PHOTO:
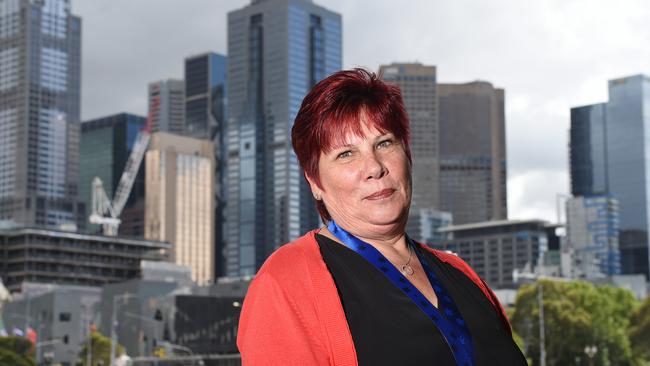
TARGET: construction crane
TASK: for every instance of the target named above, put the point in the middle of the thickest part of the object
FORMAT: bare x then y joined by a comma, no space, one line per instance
107,213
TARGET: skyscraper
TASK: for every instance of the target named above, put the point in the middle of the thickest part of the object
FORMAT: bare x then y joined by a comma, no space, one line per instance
169,114
179,182
418,84
205,118
587,150
472,152
205,90
610,154
105,147
39,112
277,50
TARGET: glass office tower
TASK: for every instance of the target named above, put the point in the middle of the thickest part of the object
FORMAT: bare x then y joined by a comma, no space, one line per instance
105,147
610,154
40,48
277,50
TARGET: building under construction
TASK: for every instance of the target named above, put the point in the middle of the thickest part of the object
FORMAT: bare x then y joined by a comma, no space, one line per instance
52,256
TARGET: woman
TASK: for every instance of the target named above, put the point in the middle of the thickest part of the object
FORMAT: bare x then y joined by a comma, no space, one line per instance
359,291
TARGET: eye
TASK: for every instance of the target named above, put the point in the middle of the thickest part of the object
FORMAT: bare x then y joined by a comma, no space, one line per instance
344,154
385,144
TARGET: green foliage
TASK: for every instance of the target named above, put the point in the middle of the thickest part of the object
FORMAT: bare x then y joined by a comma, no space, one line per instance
640,329
576,314
16,351
100,349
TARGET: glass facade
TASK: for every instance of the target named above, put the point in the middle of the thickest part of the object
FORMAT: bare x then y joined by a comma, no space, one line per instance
610,154
277,51
39,113
587,150
105,147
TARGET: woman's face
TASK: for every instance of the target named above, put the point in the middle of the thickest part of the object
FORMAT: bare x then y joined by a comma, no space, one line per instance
366,183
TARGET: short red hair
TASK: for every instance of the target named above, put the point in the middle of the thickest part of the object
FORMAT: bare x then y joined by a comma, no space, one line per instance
333,109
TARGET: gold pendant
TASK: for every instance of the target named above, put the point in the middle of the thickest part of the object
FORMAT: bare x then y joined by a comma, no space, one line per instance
407,270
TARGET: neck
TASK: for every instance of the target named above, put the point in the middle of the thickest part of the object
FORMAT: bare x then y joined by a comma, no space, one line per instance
395,240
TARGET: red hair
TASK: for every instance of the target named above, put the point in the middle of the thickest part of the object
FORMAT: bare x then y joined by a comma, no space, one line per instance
333,109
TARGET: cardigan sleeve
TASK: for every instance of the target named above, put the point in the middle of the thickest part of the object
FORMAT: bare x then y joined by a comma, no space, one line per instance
274,328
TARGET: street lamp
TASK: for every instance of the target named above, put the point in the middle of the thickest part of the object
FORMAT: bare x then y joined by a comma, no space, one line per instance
113,321
152,322
591,351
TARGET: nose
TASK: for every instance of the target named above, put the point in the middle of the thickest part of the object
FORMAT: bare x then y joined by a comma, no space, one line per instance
374,167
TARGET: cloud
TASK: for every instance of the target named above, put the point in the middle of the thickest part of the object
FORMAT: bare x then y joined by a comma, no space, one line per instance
534,194
548,56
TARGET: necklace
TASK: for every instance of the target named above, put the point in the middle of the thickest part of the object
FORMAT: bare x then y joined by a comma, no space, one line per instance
406,269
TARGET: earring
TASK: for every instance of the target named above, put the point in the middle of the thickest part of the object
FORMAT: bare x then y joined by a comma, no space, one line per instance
317,196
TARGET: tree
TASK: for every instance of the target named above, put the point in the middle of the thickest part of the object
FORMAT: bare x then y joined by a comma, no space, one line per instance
17,351
576,314
100,349
640,329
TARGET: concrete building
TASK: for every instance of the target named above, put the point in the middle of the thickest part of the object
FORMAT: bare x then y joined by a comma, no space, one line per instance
472,152
592,236
60,315
135,307
105,147
277,49
180,200
495,249
40,70
51,256
610,155
169,114
418,84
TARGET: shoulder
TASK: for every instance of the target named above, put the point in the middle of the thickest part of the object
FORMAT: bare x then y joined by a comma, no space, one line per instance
288,258
461,265
453,260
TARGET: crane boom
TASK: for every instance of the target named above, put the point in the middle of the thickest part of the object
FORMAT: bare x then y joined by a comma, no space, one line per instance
102,205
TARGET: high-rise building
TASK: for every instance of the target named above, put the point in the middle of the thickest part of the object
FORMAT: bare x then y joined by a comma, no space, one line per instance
592,236
179,184
205,118
418,85
610,154
40,64
168,115
587,150
277,49
472,152
105,147
205,91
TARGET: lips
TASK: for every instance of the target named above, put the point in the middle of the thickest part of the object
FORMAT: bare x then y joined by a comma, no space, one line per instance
384,193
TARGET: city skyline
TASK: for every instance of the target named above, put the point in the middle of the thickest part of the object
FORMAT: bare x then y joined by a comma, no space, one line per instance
547,56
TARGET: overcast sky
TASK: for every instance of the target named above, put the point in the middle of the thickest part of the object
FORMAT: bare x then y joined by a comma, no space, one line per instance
548,55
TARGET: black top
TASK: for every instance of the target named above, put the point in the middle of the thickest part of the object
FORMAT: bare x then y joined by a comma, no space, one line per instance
389,329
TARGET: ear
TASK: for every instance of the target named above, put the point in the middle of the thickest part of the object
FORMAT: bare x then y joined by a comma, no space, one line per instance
315,190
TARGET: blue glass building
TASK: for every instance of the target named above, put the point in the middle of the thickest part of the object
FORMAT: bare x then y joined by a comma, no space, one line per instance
40,72
277,49
610,154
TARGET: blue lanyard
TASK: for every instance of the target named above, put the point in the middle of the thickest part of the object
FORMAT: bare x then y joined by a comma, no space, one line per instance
447,318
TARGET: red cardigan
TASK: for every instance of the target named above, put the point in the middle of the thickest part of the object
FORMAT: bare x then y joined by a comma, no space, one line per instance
292,313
